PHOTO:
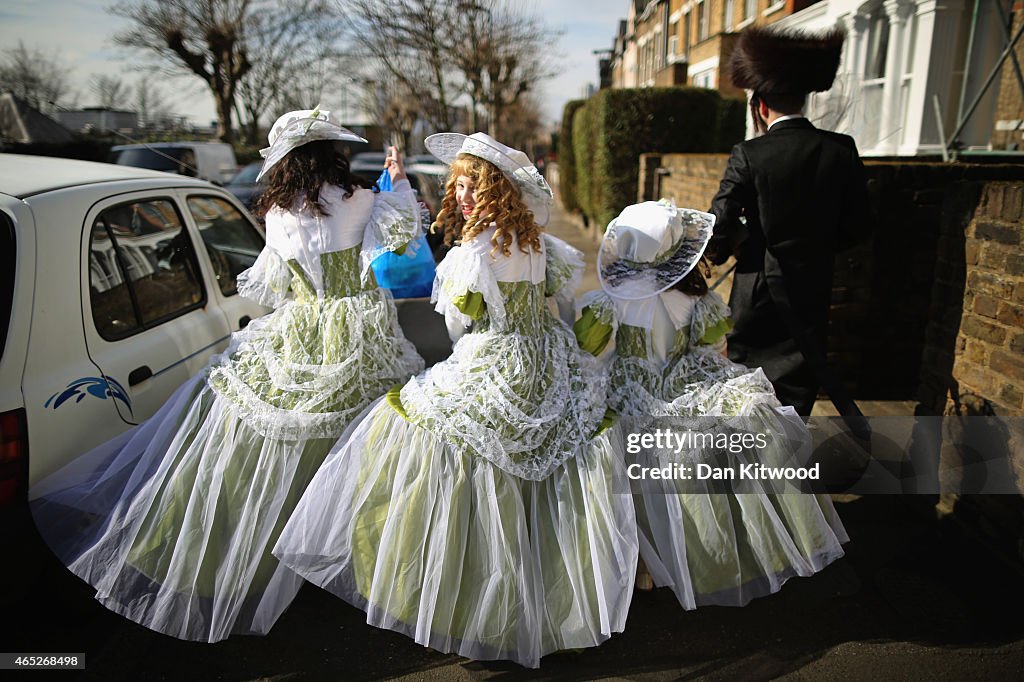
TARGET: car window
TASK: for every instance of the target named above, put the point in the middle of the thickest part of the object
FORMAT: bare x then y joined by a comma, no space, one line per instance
142,268
247,176
8,267
168,159
231,241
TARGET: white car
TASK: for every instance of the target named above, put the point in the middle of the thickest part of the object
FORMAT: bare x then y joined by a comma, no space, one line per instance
116,285
213,161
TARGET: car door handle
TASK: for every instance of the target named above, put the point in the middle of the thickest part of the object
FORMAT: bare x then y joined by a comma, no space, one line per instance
139,374
244,321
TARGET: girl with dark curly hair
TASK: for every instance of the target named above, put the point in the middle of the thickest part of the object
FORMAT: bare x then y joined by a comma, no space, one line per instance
173,522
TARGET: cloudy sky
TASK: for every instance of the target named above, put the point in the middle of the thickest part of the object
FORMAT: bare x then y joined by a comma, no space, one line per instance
79,33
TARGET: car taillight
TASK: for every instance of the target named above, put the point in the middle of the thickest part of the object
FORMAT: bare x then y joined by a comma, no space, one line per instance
13,457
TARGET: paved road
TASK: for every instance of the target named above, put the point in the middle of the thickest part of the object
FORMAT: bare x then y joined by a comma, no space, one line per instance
915,598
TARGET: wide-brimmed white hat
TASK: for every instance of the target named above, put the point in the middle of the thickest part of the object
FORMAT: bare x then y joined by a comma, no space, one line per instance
516,166
650,247
297,128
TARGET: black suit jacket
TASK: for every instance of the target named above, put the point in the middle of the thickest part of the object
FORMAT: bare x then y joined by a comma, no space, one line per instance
802,194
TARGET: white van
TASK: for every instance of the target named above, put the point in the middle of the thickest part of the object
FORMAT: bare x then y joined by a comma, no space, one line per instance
116,285
213,161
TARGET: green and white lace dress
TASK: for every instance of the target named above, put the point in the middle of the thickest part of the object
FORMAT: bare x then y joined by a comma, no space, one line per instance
173,523
709,543
472,508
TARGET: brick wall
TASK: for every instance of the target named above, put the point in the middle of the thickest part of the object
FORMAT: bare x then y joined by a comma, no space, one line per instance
1010,105
689,179
990,359
909,302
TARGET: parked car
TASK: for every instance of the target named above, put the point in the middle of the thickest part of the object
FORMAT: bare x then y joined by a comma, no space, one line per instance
431,180
116,285
213,161
426,160
244,185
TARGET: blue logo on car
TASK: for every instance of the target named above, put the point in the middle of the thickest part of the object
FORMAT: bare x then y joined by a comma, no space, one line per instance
99,387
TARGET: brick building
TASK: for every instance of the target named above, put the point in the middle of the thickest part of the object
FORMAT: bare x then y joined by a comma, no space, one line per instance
910,72
684,42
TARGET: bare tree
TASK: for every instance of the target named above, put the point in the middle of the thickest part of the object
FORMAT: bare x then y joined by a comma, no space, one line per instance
202,37
35,76
437,54
410,40
150,102
111,92
521,123
391,103
292,51
506,55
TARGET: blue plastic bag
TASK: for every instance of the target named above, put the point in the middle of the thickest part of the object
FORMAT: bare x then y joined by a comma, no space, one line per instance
410,275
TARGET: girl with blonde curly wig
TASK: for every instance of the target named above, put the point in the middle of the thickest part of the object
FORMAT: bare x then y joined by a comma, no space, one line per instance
471,508
501,205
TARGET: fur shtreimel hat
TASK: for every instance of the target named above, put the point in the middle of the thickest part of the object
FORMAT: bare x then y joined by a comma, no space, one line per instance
786,62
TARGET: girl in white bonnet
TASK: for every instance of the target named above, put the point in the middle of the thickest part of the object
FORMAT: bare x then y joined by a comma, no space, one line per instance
473,508
709,541
173,522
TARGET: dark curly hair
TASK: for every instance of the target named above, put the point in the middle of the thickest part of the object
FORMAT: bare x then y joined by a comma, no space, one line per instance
695,283
302,173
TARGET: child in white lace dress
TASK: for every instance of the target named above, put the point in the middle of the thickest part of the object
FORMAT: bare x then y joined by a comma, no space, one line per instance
173,522
712,542
472,508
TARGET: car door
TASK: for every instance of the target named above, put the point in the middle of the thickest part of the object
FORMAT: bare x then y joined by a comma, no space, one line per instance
150,319
231,242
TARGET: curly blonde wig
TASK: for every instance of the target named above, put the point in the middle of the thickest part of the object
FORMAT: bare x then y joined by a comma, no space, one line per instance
497,200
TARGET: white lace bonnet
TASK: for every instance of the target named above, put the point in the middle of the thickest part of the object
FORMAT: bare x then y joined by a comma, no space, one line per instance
513,163
297,128
650,247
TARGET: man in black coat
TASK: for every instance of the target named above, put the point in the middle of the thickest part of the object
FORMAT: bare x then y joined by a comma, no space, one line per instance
788,200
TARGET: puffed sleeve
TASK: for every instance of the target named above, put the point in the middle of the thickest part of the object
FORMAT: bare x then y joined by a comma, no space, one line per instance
563,268
268,281
596,325
394,222
465,286
710,322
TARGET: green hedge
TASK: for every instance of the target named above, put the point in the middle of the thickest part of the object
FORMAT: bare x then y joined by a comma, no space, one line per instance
567,158
732,122
583,148
615,126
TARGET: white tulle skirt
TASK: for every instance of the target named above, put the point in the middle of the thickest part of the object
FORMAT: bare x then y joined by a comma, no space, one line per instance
459,554
725,542
172,523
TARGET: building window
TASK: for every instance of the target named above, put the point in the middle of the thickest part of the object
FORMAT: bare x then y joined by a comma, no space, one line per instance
878,45
686,36
666,35
729,14
705,79
749,8
703,21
